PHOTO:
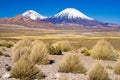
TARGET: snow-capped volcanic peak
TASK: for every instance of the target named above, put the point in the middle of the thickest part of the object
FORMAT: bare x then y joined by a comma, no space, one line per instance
33,15
72,13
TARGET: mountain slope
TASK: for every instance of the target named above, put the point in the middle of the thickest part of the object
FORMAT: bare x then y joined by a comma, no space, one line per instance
26,21
69,18
71,13
33,15
73,16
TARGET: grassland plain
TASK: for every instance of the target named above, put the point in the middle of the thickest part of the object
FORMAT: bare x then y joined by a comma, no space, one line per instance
80,38
77,39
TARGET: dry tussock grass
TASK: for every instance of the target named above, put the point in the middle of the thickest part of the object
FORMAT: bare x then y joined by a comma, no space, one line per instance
39,54
23,43
24,69
71,63
98,72
20,52
63,46
103,50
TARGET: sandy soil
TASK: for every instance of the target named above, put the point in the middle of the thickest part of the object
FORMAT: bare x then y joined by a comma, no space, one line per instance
51,70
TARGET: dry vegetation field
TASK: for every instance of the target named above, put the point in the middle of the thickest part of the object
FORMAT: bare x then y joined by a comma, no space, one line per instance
29,54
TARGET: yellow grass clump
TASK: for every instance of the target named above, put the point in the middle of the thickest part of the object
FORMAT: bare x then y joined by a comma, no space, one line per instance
63,46
20,52
36,42
24,69
53,51
98,72
22,43
84,51
71,63
103,50
39,54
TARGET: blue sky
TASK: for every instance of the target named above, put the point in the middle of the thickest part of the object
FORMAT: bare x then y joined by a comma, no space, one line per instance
102,10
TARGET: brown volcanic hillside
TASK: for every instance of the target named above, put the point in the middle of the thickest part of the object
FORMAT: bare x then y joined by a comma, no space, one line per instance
21,20
27,22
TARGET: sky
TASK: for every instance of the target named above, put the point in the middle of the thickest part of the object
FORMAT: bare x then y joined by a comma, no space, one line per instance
101,10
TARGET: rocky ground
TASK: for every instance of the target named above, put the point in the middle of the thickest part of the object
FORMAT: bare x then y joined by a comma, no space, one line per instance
51,70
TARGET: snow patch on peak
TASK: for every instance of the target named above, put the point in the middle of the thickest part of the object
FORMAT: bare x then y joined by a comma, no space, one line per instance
72,13
33,15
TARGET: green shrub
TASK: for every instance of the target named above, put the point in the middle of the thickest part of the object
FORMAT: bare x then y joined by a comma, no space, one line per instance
39,54
117,67
3,42
16,54
84,51
7,44
103,50
71,63
24,69
54,51
98,72
64,46
87,53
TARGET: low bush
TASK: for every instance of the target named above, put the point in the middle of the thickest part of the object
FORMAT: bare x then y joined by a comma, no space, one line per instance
7,44
87,53
64,46
10,44
103,50
71,63
54,51
24,69
39,54
84,51
98,72
3,42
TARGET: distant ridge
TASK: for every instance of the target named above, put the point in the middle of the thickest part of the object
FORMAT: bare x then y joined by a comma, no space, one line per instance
33,15
73,16
69,18
71,13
